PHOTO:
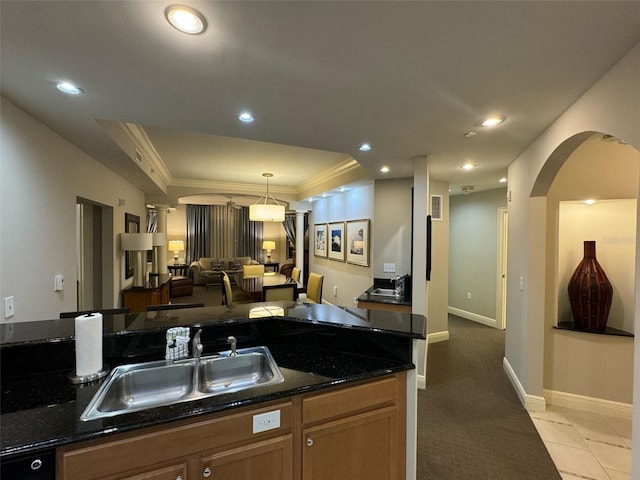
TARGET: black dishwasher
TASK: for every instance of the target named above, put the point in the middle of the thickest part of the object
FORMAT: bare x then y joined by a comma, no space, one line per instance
32,466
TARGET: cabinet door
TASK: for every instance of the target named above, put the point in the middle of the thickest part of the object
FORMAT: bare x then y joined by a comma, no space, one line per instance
363,447
173,472
268,460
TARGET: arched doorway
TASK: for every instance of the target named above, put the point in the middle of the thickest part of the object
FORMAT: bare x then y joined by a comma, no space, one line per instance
585,371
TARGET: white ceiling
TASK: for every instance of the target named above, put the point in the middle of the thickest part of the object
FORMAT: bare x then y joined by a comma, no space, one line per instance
320,77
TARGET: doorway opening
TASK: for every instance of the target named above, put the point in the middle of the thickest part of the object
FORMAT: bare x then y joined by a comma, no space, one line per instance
94,256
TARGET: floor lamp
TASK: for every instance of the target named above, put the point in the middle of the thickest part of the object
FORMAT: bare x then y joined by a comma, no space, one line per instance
137,243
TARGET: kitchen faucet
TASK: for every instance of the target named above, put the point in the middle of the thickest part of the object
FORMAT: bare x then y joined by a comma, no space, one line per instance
233,341
196,345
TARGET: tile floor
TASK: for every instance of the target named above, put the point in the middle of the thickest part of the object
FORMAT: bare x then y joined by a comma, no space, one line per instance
586,446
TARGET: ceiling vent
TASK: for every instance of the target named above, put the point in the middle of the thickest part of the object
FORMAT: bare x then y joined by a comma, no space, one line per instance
467,189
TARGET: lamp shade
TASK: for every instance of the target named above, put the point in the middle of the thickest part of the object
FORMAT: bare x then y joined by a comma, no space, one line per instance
266,212
176,245
159,239
268,245
136,241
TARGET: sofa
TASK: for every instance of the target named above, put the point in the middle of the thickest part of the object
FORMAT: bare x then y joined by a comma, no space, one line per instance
209,265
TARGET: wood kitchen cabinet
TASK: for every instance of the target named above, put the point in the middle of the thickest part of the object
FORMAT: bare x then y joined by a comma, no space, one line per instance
268,460
172,472
354,433
156,292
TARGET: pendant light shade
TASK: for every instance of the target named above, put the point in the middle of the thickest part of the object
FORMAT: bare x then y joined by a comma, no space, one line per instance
262,211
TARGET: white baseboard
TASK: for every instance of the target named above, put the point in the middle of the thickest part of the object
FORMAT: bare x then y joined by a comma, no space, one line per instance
533,403
438,337
588,404
491,322
422,381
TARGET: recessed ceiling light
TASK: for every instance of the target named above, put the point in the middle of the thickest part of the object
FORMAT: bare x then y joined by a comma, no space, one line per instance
503,180
365,147
470,134
385,169
69,88
590,201
492,121
186,19
468,166
246,117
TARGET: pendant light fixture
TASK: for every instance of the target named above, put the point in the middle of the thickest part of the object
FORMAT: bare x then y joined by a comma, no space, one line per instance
262,211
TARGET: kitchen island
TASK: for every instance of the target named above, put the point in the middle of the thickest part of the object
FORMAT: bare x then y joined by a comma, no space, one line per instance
319,349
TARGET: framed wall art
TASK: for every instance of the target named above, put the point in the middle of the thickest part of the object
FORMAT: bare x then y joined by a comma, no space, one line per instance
336,241
320,240
357,238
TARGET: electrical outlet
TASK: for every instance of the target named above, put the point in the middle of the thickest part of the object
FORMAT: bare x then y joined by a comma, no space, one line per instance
522,284
335,291
266,421
58,283
389,268
468,295
9,307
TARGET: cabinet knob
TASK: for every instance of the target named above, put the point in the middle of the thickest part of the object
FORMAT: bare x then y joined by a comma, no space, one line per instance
36,464
206,473
309,442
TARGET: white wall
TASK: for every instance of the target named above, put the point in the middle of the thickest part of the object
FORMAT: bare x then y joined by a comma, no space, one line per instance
438,286
42,175
351,280
473,253
609,106
392,235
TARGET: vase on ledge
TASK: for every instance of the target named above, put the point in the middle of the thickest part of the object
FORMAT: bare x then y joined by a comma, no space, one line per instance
590,292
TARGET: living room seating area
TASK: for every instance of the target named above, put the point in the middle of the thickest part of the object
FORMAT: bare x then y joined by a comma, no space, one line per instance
209,266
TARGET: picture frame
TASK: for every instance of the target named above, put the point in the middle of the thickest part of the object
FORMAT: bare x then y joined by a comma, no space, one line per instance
320,240
357,242
335,241
131,225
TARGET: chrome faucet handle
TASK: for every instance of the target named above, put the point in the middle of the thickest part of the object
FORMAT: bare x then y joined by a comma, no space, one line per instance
233,341
197,346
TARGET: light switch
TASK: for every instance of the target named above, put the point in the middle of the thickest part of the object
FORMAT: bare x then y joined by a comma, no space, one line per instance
58,283
389,268
9,307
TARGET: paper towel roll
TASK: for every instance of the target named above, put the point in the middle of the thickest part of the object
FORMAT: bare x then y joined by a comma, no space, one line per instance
88,344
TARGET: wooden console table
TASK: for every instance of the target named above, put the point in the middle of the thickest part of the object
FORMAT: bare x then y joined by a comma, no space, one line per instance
155,292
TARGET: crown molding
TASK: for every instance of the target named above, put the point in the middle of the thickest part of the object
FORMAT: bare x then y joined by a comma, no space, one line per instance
233,187
141,141
343,173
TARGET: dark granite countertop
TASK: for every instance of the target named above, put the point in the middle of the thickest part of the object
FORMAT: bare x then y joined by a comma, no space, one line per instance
316,347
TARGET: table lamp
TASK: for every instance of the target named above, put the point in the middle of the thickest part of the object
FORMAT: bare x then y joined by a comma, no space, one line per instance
137,243
268,245
176,246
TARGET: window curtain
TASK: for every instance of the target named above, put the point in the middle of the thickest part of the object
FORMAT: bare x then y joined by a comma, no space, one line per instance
289,225
198,232
249,235
152,221
233,234
223,232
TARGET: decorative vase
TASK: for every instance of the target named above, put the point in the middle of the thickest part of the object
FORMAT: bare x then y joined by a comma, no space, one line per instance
590,292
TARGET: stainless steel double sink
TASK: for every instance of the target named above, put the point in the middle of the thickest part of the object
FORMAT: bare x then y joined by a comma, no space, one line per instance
136,387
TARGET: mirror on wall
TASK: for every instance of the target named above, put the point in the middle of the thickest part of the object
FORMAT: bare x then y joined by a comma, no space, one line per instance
131,225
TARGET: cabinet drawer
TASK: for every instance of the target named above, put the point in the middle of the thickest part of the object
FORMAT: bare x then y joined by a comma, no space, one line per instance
155,447
347,401
173,472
